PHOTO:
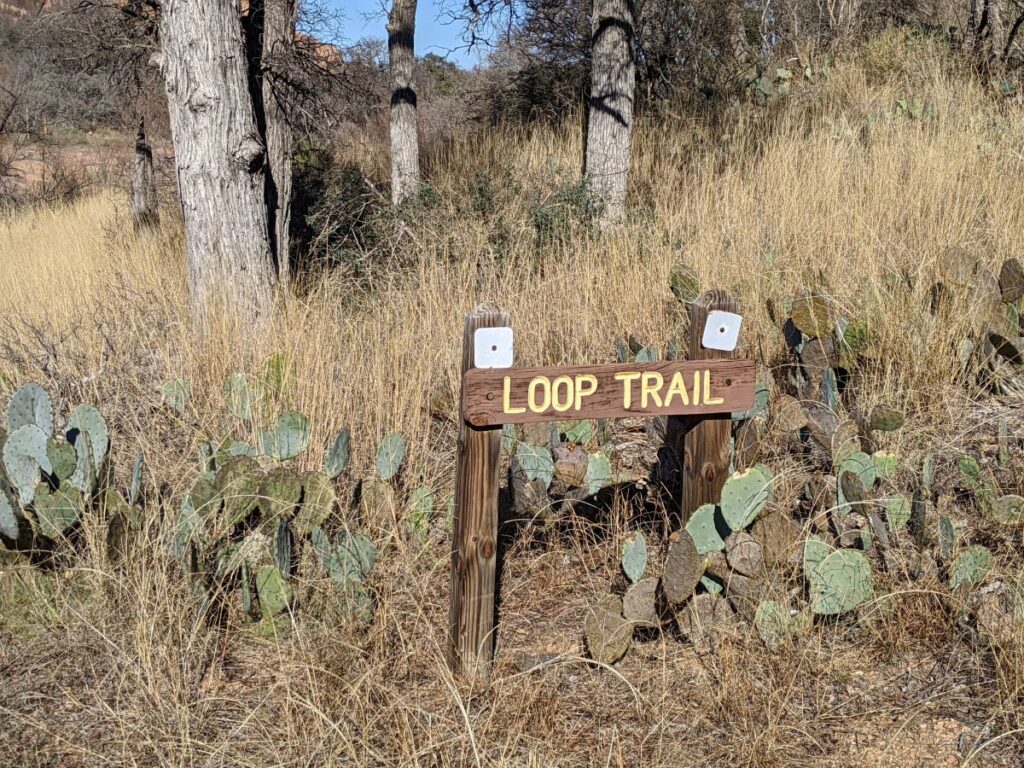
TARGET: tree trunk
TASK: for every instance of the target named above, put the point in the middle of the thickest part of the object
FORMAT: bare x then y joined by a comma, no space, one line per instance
219,159
145,206
610,121
270,40
405,152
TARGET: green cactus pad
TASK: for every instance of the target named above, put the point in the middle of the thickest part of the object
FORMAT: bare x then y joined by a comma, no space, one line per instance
56,511
238,482
885,464
1011,281
710,585
88,420
204,497
1008,510
744,495
971,568
897,512
634,556
288,438
840,582
338,453
283,547
815,550
276,378
647,355
62,457
862,468
318,501
970,471
599,472
175,394
354,558
236,393
30,404
761,396
24,455
704,531
772,622
577,432
84,477
391,454
10,515
947,537
274,592
685,283
279,493
421,510
536,463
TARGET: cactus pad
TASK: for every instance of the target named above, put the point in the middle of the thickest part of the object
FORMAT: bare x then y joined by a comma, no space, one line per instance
599,472
744,495
288,438
634,556
30,405
56,511
577,432
772,622
10,515
274,592
279,493
337,456
236,393
24,455
947,537
885,463
136,486
62,457
970,470
318,502
175,394
789,414
971,567
685,283
812,316
683,568
743,554
1011,281
391,454
640,603
840,582
86,419
535,463
238,482
703,529
885,418
608,633
897,512
1008,510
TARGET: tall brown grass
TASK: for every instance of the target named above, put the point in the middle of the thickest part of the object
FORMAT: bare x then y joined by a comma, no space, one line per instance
833,189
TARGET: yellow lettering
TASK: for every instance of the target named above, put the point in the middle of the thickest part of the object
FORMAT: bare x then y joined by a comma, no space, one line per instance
708,399
507,397
586,378
696,387
627,380
545,383
651,384
561,405
677,388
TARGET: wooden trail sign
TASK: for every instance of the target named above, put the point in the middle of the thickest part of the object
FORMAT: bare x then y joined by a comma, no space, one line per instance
493,397
698,396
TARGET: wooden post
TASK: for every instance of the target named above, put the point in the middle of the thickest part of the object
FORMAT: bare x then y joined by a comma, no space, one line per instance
702,443
474,557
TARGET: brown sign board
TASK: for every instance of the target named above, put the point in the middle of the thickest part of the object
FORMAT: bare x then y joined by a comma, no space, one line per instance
495,396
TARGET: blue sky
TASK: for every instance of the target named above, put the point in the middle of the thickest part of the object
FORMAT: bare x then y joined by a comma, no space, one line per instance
432,35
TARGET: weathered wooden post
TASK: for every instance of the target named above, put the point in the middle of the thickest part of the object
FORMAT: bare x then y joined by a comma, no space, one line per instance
474,556
702,442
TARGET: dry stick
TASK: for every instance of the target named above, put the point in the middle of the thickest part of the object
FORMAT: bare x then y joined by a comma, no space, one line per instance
702,442
474,552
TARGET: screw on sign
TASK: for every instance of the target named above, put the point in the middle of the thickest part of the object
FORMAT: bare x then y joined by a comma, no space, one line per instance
697,395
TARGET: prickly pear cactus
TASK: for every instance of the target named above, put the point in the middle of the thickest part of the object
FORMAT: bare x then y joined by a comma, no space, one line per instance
885,418
885,464
24,457
599,472
971,567
1008,510
840,582
608,633
744,495
30,404
86,419
685,283
176,394
772,622
236,394
703,529
536,463
288,438
634,556
421,510
337,456
391,454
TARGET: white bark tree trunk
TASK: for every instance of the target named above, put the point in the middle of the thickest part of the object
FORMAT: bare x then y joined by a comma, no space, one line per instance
405,152
219,158
145,205
610,120
271,40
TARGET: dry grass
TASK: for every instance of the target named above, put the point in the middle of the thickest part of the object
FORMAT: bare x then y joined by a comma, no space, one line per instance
833,190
